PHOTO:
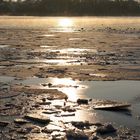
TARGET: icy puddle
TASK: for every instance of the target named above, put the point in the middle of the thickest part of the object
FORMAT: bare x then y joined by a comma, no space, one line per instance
110,90
125,91
120,91
67,85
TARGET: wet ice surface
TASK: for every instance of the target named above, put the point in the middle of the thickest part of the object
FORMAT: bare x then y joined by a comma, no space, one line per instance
80,40
121,91
48,35
81,48
46,46
50,62
73,56
53,56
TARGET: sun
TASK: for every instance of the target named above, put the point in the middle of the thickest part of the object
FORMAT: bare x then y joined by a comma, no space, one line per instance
65,22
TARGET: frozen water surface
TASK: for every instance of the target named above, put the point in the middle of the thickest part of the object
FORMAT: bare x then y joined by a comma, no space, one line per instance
123,91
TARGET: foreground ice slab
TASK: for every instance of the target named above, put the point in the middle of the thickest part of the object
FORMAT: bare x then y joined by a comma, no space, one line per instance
110,105
38,118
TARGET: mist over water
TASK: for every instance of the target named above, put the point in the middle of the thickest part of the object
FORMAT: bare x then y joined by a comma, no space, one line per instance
23,22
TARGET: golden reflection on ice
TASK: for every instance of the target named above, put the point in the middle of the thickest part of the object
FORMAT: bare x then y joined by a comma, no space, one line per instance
71,88
71,93
65,22
65,25
62,81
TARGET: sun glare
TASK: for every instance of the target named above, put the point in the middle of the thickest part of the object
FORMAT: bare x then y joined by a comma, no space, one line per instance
69,88
65,22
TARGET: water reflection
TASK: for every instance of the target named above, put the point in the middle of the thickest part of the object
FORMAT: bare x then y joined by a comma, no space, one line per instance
69,87
118,90
65,25
71,93
72,88
62,61
65,22
62,81
48,35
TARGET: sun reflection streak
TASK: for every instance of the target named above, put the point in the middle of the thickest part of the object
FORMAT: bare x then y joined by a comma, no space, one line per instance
71,93
65,22
62,81
65,25
71,88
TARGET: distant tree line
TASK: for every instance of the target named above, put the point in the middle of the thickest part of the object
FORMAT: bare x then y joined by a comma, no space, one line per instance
70,7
